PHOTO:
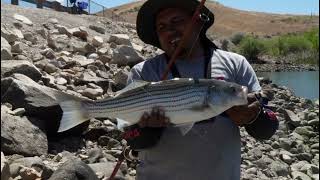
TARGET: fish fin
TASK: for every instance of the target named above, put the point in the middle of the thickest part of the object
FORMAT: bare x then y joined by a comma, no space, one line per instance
185,128
132,87
73,114
121,124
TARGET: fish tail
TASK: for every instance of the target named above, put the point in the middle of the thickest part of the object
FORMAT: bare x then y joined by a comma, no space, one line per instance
73,115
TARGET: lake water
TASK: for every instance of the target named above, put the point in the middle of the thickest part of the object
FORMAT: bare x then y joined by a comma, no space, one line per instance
303,84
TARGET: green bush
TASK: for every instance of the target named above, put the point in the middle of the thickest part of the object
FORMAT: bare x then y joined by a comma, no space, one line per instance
237,38
293,44
251,48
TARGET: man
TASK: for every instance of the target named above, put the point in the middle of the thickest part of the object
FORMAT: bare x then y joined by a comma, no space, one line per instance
211,149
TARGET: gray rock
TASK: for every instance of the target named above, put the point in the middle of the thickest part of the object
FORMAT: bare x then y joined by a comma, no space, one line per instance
15,166
50,68
19,66
90,77
97,41
312,115
23,19
61,81
94,155
17,24
314,122
53,21
8,34
300,176
18,47
125,55
29,173
5,49
103,51
63,30
285,143
80,32
30,37
98,29
120,39
39,101
298,165
106,169
120,78
292,118
92,93
105,58
59,42
305,131
20,136
5,169
18,112
281,169
74,169
18,33
43,32
82,60
93,56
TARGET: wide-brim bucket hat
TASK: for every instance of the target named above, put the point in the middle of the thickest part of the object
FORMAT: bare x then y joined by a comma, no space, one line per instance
146,18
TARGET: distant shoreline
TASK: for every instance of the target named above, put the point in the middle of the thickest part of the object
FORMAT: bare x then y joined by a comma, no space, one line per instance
283,67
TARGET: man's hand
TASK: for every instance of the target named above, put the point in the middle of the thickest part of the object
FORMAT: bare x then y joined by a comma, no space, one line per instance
242,115
156,118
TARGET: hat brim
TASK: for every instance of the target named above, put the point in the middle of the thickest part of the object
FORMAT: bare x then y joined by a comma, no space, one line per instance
145,23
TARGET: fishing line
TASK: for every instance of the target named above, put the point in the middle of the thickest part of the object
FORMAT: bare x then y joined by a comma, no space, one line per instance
201,17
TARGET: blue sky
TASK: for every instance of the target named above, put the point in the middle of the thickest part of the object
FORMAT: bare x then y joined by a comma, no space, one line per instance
272,6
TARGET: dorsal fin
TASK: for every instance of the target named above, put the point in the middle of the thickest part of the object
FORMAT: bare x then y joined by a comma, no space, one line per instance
135,85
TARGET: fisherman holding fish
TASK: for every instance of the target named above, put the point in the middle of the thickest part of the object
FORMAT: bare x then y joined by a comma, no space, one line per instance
181,110
211,149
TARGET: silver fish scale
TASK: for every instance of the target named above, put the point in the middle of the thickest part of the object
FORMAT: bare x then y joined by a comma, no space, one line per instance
174,98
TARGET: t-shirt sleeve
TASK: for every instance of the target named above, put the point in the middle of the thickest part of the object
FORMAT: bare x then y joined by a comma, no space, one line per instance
134,75
246,76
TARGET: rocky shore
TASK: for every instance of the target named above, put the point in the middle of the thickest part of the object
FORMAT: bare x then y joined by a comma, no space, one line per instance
90,56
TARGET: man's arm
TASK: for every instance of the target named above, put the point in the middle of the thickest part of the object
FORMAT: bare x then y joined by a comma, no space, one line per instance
253,115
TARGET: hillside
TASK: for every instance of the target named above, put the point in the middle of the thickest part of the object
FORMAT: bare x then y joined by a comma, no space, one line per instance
229,21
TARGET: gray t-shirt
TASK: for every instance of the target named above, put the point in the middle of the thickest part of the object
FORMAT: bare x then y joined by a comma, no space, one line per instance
211,149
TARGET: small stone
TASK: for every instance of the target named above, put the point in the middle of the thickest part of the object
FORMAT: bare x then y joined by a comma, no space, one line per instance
18,111
97,41
92,93
23,19
61,81
50,68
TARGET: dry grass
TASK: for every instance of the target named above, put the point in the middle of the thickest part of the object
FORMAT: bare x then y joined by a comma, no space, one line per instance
229,21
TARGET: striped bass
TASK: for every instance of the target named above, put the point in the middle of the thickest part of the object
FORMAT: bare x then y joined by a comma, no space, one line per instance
185,101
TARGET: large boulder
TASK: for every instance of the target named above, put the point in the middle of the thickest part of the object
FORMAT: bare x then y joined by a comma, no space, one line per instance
20,136
19,66
38,101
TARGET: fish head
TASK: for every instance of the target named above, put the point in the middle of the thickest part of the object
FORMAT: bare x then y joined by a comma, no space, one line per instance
228,94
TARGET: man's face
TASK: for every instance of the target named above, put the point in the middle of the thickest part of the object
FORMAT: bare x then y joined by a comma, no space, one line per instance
170,26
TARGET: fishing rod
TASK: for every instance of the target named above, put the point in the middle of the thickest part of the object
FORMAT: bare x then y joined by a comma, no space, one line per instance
181,44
